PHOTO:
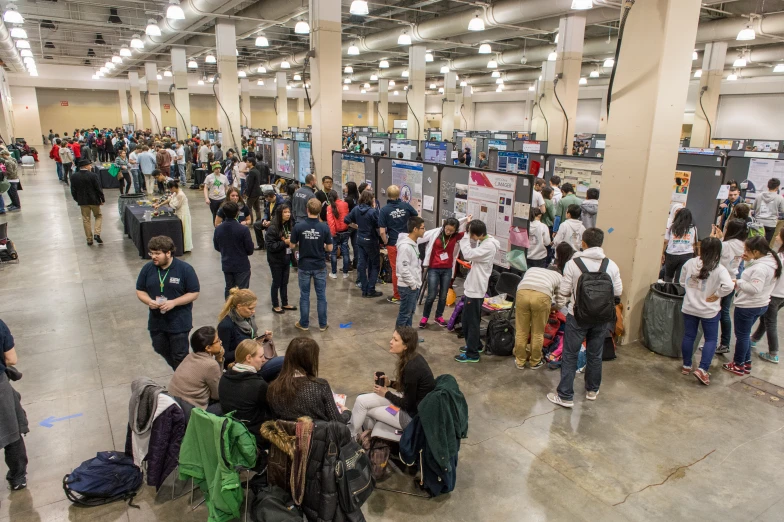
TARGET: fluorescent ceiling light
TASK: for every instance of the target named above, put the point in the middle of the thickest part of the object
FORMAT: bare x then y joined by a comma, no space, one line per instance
242,74
193,65
492,64
210,59
116,58
739,62
553,56
200,82
594,74
444,69
22,44
441,90
297,77
261,69
391,83
499,81
432,85
12,16
353,50
18,32
694,56
476,24
405,73
746,34
779,68
124,51
463,84
531,88
167,74
347,80
496,74
261,41
345,87
285,64
136,42
152,28
363,91
698,73
395,93
260,82
174,12
26,52
373,77
732,77
348,69
609,62
485,49
403,39
359,7
302,27
583,81
383,64
366,86
582,4
428,56
158,77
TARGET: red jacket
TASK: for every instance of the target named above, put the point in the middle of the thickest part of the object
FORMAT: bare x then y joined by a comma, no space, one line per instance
337,225
77,150
55,154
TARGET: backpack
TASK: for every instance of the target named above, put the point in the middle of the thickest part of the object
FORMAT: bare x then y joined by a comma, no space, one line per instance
108,477
273,504
385,271
353,475
755,229
457,315
595,297
500,336
378,451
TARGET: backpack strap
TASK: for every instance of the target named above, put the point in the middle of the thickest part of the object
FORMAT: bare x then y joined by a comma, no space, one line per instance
605,264
580,265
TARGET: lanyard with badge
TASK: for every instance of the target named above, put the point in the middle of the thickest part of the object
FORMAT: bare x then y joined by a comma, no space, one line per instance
161,298
286,234
445,254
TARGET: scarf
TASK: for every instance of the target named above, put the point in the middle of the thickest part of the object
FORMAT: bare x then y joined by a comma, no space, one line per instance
240,367
246,326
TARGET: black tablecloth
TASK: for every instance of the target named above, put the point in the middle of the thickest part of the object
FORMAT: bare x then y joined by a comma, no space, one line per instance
199,175
141,231
107,180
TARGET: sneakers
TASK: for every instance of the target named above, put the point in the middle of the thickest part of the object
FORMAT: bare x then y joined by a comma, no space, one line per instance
769,357
702,376
591,395
359,285
13,208
464,349
734,368
89,243
519,366
17,487
440,322
392,299
324,329
537,365
463,358
747,368
686,370
374,294
556,399
345,275
754,343
300,327
98,240
423,322
722,348
333,276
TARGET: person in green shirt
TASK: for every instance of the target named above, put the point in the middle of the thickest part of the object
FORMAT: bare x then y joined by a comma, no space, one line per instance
549,214
569,198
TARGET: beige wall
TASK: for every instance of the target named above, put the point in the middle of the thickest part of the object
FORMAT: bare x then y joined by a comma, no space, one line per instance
85,108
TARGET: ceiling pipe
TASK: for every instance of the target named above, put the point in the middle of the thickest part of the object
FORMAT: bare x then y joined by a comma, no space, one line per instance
8,52
757,55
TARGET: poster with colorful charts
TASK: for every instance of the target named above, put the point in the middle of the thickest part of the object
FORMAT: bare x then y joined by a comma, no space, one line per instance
283,158
491,199
435,151
513,162
496,144
408,176
581,174
352,168
407,147
304,160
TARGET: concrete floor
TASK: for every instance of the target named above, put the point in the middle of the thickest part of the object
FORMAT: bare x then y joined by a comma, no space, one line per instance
655,445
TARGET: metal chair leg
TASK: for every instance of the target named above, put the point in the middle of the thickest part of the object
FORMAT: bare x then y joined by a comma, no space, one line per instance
247,493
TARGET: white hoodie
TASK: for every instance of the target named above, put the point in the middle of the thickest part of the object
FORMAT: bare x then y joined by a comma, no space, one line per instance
570,231
698,290
539,239
409,271
481,257
756,283
592,258
732,255
430,238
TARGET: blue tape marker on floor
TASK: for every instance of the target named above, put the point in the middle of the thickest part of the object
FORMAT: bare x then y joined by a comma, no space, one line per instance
610,230
346,325
48,422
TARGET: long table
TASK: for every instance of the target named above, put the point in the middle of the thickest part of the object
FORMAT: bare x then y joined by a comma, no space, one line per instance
107,180
141,231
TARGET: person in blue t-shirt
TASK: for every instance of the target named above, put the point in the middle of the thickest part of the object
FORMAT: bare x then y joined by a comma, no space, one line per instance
314,240
168,287
392,221
13,422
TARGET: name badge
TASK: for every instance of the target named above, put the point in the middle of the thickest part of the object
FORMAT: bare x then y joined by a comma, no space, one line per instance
288,251
444,256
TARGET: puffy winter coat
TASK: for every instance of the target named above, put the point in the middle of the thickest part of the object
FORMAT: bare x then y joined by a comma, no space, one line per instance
168,429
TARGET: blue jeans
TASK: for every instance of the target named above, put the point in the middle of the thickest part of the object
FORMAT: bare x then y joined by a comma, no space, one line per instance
438,280
340,241
181,169
368,264
744,320
271,369
726,320
59,170
408,302
710,327
242,185
320,283
136,181
574,334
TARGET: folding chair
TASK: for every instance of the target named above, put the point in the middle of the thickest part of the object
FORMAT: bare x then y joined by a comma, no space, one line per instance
28,162
507,284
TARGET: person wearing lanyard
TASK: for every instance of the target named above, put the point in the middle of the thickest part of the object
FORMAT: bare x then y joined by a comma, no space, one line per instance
168,287
237,323
409,270
215,189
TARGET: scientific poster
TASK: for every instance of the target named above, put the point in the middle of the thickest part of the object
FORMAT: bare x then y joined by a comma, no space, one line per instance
581,174
304,160
513,162
435,151
408,176
491,199
377,146
470,143
496,144
283,158
721,144
760,171
407,147
352,168
461,200
766,146
680,189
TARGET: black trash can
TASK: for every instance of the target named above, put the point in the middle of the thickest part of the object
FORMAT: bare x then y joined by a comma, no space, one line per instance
124,200
662,321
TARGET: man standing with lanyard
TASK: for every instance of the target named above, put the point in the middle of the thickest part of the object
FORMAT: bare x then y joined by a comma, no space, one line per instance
392,221
168,287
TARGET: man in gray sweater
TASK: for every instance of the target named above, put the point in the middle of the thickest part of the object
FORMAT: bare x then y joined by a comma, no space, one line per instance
768,206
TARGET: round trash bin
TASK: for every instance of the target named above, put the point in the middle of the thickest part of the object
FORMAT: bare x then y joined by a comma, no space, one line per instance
124,200
662,321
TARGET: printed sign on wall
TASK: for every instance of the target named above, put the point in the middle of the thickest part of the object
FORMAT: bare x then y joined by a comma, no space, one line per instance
64,104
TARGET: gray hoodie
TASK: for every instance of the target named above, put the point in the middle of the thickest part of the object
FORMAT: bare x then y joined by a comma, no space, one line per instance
767,207
409,269
590,208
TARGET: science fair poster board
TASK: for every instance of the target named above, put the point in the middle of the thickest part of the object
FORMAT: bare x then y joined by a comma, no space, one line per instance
680,188
436,151
760,171
304,160
470,143
283,163
496,144
580,173
516,162
408,176
491,198
407,147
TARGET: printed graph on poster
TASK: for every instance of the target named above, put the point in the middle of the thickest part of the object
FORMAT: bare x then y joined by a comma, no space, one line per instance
680,189
581,174
283,157
760,171
490,198
352,168
408,176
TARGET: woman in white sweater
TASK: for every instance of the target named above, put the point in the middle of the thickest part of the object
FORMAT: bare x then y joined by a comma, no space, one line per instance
539,240
706,281
752,295
732,248
768,323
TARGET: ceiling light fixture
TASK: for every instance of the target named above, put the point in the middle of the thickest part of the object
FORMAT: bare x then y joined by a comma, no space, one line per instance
492,64
285,64
288,87
347,80
136,42
383,64
694,56
174,11
124,51
210,59
373,77
211,79
200,82
158,77
739,62
429,56
608,63
432,85
500,81
260,82
26,52
583,81
12,16
746,34
242,74
366,86
193,65
779,68
496,74
531,88
580,5
500,88
732,77
22,44
395,93
28,59
104,70
261,41
261,69
297,78
391,83
476,24
553,56
345,87
594,74
302,27
167,74
109,65
698,73
444,69
404,39
18,32
348,69
359,7
441,90
485,49
405,74
152,28
463,84
116,58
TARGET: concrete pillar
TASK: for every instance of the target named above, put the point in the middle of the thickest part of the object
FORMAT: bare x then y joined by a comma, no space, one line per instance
383,106
417,75
123,99
327,110
458,119
648,100
7,107
228,87
153,99
448,116
281,101
371,114
467,113
245,102
710,82
301,112
562,78
181,98
136,101
603,114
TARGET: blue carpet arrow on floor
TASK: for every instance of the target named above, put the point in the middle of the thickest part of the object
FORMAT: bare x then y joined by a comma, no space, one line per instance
346,325
48,422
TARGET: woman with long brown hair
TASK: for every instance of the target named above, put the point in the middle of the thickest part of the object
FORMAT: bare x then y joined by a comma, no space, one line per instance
413,380
243,216
298,391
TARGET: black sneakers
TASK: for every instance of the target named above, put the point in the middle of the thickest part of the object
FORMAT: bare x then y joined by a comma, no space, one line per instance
98,239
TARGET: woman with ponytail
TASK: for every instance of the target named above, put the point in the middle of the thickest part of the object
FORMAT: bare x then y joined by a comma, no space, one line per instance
768,323
752,296
732,247
681,238
706,281
336,212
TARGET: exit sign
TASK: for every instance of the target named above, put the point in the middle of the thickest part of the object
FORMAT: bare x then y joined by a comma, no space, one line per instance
63,104
166,106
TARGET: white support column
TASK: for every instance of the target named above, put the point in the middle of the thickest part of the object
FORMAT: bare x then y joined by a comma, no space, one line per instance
7,106
383,105
458,118
371,114
153,99
301,112
467,114
182,101
416,92
245,102
228,87
710,88
281,101
448,116
136,101
122,94
603,114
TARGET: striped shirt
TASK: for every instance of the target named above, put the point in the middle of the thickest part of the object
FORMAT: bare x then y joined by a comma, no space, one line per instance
541,280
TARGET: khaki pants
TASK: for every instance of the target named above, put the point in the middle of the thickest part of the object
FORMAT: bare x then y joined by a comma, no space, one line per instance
149,184
532,310
96,212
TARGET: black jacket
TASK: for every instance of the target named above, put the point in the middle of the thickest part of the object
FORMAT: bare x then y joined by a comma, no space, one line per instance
246,394
417,382
266,174
276,248
253,183
85,188
231,336
232,239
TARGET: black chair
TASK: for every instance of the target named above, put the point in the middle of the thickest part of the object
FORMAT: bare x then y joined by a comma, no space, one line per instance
507,284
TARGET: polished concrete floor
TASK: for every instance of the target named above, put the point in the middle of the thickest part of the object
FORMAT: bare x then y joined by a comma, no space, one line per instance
655,445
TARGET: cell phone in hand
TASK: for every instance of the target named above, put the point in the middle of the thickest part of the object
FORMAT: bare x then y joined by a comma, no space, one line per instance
380,378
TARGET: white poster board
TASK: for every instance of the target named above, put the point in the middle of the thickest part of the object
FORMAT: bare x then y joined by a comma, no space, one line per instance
491,199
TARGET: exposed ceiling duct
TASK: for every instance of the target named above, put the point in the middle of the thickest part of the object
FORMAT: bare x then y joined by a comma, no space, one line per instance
8,52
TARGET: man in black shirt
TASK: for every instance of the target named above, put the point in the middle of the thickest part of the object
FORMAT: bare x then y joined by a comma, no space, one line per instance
322,196
168,287
313,239
299,202
266,173
13,422
232,239
86,191
253,188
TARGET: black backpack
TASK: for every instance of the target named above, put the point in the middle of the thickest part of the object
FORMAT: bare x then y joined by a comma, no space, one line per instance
595,297
353,472
500,336
108,477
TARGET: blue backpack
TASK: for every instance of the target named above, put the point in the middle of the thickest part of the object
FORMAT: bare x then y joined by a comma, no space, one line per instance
108,477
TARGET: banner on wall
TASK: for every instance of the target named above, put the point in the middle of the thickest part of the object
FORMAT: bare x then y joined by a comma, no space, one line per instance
490,198
680,189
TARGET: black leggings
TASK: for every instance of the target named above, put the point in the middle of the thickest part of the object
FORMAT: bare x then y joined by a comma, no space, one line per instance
673,264
125,179
280,283
214,206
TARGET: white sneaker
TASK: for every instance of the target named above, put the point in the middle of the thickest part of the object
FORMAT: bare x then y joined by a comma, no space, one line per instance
591,395
333,276
345,275
556,399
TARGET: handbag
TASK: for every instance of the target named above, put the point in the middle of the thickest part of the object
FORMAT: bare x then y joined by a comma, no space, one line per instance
519,237
4,186
268,347
114,169
353,473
